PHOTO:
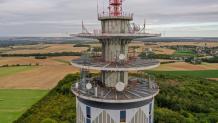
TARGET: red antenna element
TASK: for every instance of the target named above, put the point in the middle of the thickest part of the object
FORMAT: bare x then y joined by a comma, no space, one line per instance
115,7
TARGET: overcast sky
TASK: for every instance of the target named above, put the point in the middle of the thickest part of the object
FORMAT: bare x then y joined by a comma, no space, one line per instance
195,18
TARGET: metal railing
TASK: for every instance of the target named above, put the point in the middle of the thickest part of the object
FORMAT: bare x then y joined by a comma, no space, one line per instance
123,15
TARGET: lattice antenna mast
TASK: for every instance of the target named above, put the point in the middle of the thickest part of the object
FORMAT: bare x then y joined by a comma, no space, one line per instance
84,29
144,26
97,7
115,7
143,30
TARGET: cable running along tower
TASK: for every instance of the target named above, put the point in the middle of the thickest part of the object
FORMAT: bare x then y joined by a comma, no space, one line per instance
115,96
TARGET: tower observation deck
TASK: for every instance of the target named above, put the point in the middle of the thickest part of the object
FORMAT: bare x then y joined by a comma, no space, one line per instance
114,96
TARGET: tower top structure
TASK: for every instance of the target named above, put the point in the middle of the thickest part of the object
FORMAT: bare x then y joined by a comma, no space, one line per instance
115,7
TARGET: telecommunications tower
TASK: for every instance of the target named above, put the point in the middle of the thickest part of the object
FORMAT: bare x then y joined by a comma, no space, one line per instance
115,96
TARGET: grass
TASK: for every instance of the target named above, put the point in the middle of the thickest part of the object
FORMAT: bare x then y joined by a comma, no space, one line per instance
199,73
59,104
13,103
184,53
7,71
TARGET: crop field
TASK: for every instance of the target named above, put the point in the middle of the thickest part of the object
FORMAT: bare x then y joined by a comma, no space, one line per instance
13,103
184,53
164,51
42,48
7,71
14,98
209,44
31,60
182,66
44,76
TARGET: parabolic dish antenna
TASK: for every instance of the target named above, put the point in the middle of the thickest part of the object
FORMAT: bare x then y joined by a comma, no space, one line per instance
122,57
88,86
120,86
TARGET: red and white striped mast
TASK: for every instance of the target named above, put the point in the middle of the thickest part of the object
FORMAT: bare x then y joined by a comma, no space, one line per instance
115,7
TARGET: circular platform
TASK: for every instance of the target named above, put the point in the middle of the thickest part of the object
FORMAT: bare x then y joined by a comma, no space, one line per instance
135,92
132,65
127,36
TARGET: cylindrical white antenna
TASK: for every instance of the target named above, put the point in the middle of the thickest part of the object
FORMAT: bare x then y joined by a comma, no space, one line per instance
96,91
77,85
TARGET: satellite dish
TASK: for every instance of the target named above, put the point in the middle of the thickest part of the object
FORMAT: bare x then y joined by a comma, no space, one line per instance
122,57
88,86
120,86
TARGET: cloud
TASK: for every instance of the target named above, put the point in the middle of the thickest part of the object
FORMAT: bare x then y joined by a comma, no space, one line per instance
32,17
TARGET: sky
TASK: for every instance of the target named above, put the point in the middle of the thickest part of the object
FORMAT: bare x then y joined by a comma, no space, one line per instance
172,18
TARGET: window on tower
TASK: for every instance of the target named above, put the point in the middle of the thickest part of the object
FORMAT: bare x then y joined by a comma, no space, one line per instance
88,112
88,120
122,116
150,108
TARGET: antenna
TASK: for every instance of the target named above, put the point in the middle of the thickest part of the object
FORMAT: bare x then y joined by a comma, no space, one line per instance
122,57
120,86
144,26
77,85
88,86
143,30
97,7
84,29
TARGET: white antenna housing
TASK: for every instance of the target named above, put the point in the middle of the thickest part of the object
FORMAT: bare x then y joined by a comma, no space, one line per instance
77,85
88,86
120,86
122,57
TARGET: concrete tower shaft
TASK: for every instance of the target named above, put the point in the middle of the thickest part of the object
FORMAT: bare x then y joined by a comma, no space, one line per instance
112,48
110,79
113,25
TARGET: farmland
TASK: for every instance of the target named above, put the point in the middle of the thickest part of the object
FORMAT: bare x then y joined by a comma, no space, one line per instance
5,71
13,103
25,80
42,75
182,66
42,48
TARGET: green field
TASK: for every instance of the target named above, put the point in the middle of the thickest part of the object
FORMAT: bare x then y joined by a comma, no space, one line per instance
7,71
13,103
184,53
199,73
